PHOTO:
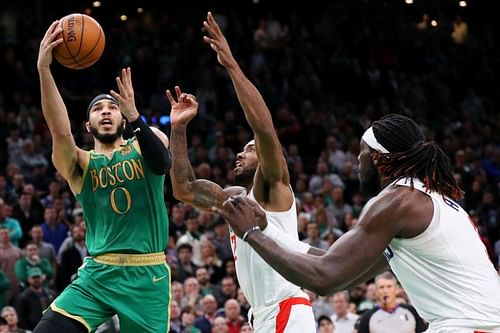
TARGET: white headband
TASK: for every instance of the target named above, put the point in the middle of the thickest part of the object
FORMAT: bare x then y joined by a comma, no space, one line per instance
371,141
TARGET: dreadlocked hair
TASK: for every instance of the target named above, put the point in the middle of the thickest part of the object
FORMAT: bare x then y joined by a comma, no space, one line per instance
412,157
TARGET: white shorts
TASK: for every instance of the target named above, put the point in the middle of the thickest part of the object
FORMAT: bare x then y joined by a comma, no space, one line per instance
292,315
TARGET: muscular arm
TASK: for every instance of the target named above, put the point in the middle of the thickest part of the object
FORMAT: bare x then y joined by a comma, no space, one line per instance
201,193
271,162
64,150
353,258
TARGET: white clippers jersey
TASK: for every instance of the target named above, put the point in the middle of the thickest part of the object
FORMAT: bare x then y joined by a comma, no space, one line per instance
260,283
446,271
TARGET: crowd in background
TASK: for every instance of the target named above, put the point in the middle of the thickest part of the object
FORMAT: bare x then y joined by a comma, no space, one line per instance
325,77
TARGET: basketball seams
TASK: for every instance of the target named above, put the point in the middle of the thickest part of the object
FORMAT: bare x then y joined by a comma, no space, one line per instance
93,48
67,47
81,34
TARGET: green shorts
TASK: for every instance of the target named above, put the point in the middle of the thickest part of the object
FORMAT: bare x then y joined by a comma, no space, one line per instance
134,287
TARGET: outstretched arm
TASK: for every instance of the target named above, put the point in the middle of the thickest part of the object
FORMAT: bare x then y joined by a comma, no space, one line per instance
271,160
345,264
65,153
200,193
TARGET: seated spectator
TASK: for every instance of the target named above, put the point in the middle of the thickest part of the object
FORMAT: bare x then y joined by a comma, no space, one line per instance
325,325
175,317
233,318
185,266
10,315
30,260
54,232
342,319
46,250
11,224
71,258
4,287
188,316
206,320
219,325
246,328
9,255
34,299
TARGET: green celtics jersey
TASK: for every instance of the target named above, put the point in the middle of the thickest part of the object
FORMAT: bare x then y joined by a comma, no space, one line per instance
123,204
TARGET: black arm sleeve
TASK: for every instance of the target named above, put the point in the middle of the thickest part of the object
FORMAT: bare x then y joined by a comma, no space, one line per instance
156,155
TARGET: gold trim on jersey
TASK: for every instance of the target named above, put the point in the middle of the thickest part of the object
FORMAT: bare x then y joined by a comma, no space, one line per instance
123,259
79,319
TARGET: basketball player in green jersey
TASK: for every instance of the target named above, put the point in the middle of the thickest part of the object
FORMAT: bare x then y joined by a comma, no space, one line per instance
119,185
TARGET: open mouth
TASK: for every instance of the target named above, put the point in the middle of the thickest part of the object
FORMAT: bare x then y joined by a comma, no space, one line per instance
106,123
239,164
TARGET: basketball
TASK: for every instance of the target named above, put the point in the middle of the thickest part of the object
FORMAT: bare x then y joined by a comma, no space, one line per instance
83,42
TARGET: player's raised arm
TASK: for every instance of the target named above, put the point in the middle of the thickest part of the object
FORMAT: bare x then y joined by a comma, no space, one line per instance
201,193
65,153
271,161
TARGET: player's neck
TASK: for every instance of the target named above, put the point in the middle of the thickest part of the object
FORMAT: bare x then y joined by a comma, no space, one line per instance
108,148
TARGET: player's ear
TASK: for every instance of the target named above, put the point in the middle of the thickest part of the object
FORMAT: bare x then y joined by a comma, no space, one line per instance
87,125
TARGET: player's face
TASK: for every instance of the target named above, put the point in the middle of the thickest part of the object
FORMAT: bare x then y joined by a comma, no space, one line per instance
246,164
368,173
106,122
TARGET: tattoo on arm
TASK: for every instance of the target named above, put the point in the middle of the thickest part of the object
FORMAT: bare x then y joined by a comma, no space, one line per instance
207,194
181,166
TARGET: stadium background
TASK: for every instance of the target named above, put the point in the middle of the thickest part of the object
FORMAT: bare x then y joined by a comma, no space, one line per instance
325,69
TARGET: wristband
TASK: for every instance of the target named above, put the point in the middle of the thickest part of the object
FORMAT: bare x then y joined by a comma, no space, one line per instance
249,231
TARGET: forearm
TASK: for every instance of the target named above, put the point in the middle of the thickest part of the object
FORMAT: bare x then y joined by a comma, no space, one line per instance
201,193
298,268
256,111
182,171
153,149
53,108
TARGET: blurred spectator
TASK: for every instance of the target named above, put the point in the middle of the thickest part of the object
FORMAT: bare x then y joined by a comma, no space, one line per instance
460,31
188,316
246,328
211,261
27,214
34,299
54,232
185,266
175,317
313,238
325,325
206,320
192,295
46,250
368,302
206,288
221,239
193,237
10,224
30,260
232,313
10,315
228,290
9,254
71,258
322,173
343,320
6,194
4,326
4,287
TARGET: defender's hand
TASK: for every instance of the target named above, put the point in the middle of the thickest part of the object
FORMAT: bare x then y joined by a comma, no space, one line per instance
218,42
184,109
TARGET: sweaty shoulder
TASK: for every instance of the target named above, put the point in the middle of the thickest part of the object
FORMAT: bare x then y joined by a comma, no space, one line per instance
407,212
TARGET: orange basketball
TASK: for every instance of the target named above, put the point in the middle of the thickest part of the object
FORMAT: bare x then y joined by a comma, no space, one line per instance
83,42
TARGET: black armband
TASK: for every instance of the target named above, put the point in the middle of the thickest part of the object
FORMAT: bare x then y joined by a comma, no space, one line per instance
156,155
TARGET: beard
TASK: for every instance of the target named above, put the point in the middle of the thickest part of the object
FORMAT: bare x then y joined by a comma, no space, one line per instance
369,182
107,138
245,177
